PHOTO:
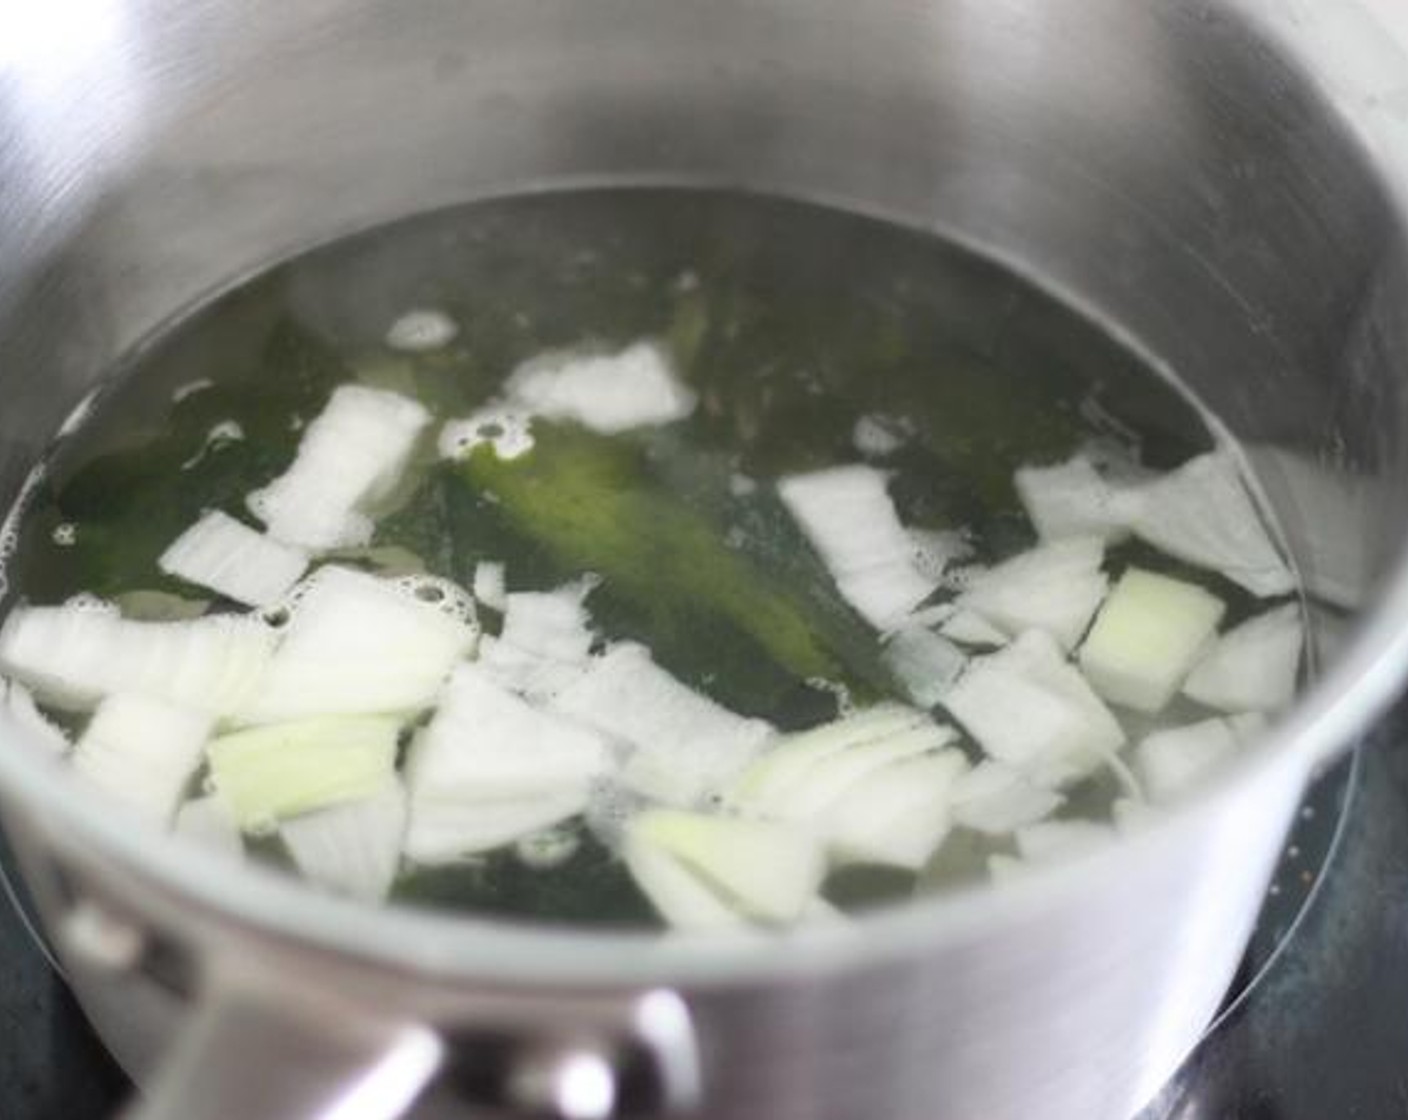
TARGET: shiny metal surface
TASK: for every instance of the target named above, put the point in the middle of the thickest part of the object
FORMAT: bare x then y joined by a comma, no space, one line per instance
1219,180
302,1055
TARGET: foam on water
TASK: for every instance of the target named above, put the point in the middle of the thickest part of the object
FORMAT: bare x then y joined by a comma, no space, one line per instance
505,428
445,595
87,603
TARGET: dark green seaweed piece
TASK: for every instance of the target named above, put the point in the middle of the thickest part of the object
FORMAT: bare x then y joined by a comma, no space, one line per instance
213,447
591,887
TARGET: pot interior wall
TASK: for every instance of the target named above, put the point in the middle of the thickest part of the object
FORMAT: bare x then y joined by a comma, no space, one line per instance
1159,164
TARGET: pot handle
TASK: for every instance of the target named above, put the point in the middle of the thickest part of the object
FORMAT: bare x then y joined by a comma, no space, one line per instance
247,1052
256,1047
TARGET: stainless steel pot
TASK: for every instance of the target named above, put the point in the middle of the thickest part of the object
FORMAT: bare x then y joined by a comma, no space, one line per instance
1216,179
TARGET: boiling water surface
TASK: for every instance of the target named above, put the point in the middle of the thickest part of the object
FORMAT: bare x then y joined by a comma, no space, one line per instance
811,337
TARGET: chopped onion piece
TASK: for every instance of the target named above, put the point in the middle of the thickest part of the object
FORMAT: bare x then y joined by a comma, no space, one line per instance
608,393
73,655
1203,513
21,709
778,773
1130,815
960,579
1114,454
548,847
1005,869
1248,726
1342,508
679,895
878,436
996,799
1054,587
207,822
350,456
768,871
266,774
1148,636
552,625
220,435
358,644
1026,706
896,815
545,643
1073,500
1173,763
802,780
421,329
226,556
685,744
924,663
873,787
1254,667
354,848
1060,840
444,831
142,752
489,585
487,744
537,679
847,514
973,630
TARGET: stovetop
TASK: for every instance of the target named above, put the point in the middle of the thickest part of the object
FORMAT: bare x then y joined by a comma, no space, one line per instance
1324,1034
52,1066
1321,1035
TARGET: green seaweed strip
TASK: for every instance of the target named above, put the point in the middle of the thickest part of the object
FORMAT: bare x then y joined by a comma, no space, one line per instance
592,503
